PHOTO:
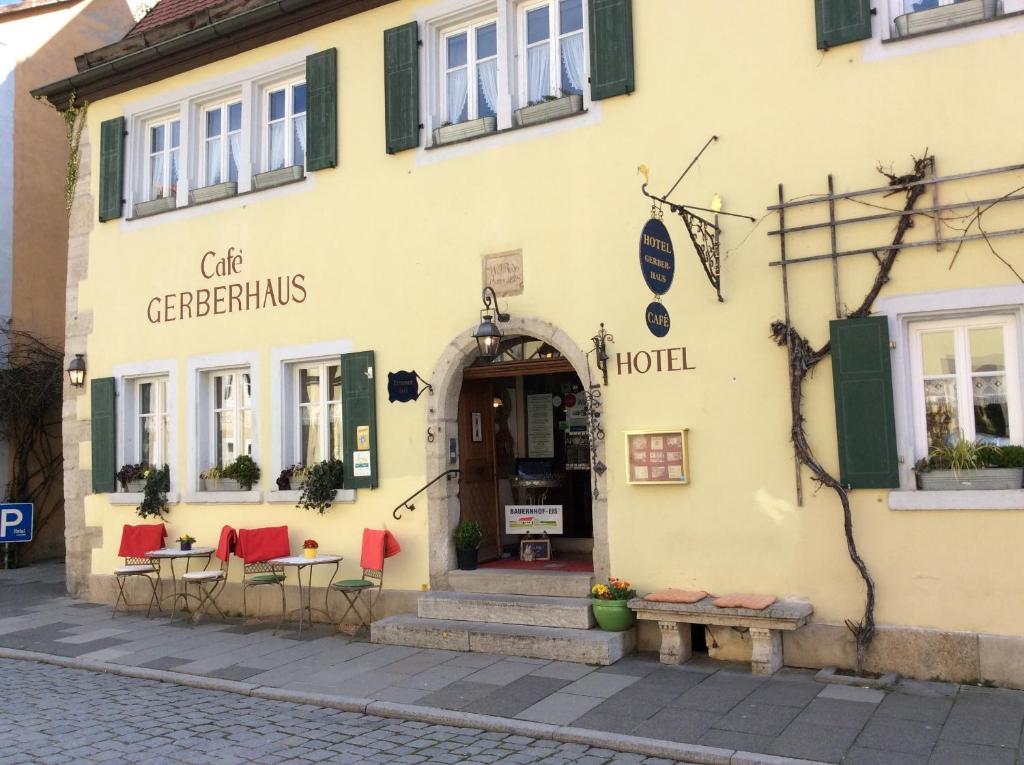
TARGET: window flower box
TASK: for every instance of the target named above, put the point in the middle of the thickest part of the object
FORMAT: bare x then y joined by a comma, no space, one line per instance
277,177
971,480
154,206
137,486
464,130
945,16
549,110
221,484
213,193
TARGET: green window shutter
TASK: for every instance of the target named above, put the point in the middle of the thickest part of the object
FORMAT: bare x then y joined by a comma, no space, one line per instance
402,87
611,48
322,110
111,168
865,423
842,21
104,451
358,410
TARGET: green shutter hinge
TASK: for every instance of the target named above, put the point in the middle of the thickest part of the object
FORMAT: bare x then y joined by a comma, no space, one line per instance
892,345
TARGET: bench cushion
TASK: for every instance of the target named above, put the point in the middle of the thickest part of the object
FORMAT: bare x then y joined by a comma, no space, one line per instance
672,595
752,601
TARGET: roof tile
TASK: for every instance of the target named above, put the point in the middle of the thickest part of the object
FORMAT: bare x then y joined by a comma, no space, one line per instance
167,11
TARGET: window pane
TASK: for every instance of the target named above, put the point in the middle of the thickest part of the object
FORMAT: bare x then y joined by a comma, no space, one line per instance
486,41
334,375
987,350
146,398
570,16
174,173
456,50
234,149
235,116
991,414
246,390
213,123
487,88
299,140
213,169
937,353
458,103
571,77
165,441
246,435
277,105
538,73
309,434
225,437
940,410
156,176
537,25
309,386
276,146
147,440
335,434
223,391
156,139
175,134
299,98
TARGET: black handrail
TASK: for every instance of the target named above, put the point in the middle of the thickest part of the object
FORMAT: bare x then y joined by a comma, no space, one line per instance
407,506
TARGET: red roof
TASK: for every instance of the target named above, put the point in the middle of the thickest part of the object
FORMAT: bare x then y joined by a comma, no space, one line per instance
166,11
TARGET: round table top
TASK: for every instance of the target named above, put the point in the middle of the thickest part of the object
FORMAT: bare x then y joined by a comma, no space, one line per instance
177,552
302,560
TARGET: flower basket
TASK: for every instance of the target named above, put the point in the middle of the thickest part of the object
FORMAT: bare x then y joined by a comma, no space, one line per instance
464,130
971,480
612,615
221,484
277,177
154,206
213,193
137,486
549,110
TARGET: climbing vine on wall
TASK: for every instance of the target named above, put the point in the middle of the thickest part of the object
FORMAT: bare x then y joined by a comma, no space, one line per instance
74,121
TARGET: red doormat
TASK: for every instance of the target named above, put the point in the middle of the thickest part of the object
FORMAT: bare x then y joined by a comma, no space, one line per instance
554,566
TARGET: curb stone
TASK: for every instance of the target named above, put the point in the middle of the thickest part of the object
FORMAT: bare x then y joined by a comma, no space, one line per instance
691,754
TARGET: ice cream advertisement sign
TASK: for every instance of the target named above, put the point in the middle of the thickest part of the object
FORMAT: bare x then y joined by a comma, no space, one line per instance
533,519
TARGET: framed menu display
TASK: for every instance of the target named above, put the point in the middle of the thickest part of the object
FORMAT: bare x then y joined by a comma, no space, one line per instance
657,456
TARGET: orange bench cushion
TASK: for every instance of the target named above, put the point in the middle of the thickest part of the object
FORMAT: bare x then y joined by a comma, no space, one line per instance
672,595
744,600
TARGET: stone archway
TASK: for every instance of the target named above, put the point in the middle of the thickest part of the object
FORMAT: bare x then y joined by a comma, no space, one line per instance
442,422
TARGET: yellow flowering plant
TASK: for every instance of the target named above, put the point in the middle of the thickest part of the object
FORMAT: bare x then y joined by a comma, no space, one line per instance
616,589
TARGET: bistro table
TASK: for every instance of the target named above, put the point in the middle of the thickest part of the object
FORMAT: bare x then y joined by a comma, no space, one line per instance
301,562
172,554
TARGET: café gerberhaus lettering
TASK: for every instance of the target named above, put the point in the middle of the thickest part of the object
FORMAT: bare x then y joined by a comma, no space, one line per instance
658,265
231,297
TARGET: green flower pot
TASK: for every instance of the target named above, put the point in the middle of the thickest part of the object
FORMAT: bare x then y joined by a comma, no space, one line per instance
613,615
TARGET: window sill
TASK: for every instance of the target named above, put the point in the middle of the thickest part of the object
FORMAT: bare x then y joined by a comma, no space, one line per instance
135,498
950,28
996,499
223,497
503,131
239,195
341,496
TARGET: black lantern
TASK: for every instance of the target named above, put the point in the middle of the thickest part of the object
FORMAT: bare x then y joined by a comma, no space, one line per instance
76,370
488,335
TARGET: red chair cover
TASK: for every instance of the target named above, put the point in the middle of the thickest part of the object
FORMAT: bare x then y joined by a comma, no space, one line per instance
136,541
255,545
228,542
378,544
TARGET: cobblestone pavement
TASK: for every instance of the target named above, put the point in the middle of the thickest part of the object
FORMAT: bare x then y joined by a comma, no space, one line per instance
707,703
62,716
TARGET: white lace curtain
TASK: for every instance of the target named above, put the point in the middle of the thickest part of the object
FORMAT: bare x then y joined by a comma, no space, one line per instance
214,174
276,145
299,128
572,60
488,74
538,73
457,95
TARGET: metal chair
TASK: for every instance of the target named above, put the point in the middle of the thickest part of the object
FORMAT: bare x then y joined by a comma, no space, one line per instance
148,569
352,590
259,575
211,583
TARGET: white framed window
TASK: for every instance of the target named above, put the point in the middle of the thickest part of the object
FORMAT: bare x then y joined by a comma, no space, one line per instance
151,421
231,422
163,158
470,65
915,17
284,136
965,381
222,142
315,414
552,51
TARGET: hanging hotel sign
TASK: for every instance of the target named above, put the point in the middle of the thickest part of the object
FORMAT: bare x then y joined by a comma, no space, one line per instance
533,519
405,386
657,259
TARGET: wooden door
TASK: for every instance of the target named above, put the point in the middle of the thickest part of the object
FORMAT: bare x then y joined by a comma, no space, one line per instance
478,490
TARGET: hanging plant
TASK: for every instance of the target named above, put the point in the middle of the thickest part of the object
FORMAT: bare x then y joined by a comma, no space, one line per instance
154,493
322,480
74,121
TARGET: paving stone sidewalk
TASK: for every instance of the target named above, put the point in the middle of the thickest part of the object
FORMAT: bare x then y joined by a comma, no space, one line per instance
713,704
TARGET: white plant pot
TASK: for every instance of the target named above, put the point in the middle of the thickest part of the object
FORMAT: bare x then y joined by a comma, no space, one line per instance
137,487
549,110
154,206
971,480
221,484
213,193
277,177
945,16
465,130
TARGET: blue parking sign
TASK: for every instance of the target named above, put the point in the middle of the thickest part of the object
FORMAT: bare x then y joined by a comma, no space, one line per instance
16,522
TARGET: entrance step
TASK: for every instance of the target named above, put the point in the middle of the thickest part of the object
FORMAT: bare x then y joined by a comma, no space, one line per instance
554,643
511,582
528,610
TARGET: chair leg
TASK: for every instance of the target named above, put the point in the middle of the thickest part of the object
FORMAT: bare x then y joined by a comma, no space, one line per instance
284,610
154,598
121,597
245,609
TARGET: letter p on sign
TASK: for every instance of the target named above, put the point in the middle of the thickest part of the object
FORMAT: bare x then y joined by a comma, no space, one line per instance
16,522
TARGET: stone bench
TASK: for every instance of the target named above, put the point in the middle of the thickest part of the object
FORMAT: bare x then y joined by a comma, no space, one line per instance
765,627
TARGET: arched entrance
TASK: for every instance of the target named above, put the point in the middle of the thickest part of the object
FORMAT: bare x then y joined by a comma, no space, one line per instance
443,505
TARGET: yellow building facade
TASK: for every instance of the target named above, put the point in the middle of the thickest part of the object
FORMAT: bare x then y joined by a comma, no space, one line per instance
388,252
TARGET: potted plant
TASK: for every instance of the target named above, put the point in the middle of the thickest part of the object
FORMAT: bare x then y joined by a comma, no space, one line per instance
609,605
971,465
185,541
292,478
238,475
468,536
322,481
132,477
309,548
549,108
461,131
154,492
213,480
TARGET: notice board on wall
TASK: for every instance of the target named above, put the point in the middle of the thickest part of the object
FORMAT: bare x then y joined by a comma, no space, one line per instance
657,456
540,426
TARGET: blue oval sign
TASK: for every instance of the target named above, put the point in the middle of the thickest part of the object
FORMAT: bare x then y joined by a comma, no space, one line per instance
657,258
657,319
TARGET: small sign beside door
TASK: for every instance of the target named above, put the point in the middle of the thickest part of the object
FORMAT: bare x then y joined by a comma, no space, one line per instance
476,420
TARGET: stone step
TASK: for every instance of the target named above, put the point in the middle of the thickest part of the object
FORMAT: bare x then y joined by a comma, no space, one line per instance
506,582
529,610
554,643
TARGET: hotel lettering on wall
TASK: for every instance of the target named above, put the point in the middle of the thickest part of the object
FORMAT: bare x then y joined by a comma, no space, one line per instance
235,296
657,360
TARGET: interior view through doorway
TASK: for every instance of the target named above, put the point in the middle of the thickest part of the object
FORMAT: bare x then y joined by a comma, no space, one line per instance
524,454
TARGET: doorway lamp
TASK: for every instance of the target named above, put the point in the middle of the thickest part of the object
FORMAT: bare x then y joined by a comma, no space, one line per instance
76,371
488,334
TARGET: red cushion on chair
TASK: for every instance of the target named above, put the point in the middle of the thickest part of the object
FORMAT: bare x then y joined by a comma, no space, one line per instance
228,542
378,544
255,545
136,541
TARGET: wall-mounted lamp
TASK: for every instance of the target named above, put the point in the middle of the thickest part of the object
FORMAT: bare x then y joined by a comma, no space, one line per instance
488,335
76,370
600,341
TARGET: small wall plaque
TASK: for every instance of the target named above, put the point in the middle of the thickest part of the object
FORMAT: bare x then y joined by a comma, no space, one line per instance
657,457
503,272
